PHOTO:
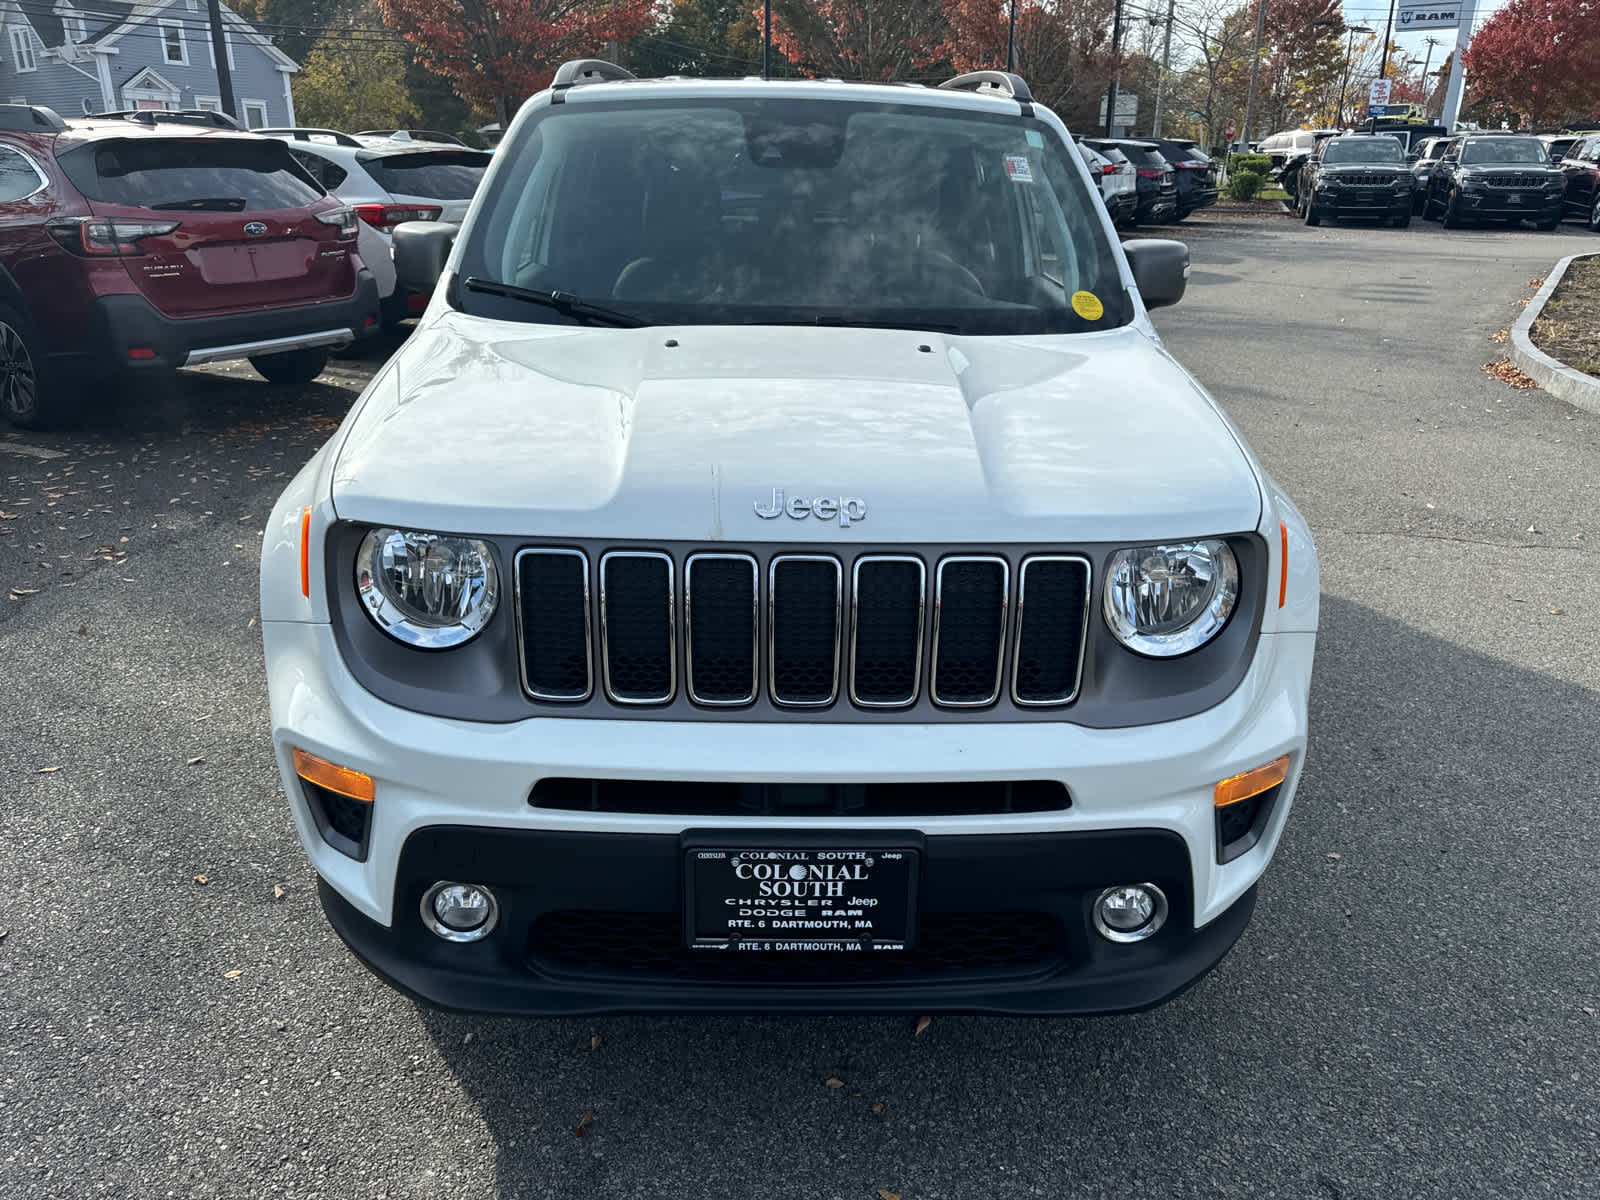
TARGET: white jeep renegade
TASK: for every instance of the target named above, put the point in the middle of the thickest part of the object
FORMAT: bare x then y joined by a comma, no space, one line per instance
784,571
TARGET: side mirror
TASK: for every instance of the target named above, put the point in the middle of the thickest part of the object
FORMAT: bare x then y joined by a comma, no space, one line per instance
421,249
1160,270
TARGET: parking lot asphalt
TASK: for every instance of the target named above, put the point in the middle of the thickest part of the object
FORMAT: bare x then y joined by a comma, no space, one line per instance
1415,1011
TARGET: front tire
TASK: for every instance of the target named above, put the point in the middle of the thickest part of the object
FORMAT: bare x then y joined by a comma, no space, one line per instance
1402,222
27,399
1594,213
1309,209
1451,217
292,366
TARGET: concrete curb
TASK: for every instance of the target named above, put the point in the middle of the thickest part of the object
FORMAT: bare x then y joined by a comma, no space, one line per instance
1561,381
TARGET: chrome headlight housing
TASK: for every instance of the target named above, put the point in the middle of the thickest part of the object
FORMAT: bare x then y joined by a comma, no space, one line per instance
1163,601
427,590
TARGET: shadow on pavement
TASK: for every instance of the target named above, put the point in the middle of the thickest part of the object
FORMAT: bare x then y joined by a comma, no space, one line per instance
1405,1016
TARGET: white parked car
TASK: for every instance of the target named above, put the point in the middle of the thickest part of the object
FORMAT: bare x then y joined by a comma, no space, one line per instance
1118,182
785,571
388,182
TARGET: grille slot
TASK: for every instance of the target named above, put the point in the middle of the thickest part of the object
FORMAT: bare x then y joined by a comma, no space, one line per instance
722,799
887,606
639,651
720,597
1052,627
553,603
1517,181
805,594
969,627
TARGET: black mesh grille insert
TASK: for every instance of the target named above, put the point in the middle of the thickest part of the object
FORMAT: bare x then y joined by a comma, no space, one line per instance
805,630
888,631
690,798
636,594
971,628
1052,599
721,595
554,590
343,822
640,944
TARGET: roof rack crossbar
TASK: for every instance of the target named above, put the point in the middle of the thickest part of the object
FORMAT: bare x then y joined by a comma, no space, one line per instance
1003,83
586,70
304,133
168,116
26,118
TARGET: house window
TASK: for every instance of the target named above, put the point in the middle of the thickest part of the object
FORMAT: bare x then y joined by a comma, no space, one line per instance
192,5
22,60
211,47
208,103
255,113
172,48
76,29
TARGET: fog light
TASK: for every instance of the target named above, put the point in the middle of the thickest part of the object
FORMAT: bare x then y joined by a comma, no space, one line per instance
1130,913
459,912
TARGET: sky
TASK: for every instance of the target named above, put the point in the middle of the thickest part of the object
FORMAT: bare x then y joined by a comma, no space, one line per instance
1374,13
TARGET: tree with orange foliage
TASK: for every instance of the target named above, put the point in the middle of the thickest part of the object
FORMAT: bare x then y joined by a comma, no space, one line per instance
1063,49
496,53
857,39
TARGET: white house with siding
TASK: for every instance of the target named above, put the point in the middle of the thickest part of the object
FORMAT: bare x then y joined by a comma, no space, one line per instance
89,56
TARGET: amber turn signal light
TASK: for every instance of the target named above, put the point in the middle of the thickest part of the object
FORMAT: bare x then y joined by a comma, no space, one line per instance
305,552
1252,783
341,780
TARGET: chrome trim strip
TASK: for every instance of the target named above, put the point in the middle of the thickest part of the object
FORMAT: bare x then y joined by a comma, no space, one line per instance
331,338
922,614
588,632
672,629
772,627
755,628
1000,657
1083,633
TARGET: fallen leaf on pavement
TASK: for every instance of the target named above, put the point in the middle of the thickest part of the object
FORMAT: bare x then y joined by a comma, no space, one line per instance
583,1121
4,932
877,1106
1539,282
886,1194
47,770
232,974
833,1082
83,631
1558,612
277,891
922,1026
1334,856
199,758
1506,372
18,592
1500,335
202,879
594,1041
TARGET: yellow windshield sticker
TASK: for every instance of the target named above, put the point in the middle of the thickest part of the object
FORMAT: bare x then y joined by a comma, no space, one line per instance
1087,305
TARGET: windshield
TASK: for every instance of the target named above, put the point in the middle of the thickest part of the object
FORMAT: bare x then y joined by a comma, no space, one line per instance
1363,150
1527,151
206,174
783,211
434,174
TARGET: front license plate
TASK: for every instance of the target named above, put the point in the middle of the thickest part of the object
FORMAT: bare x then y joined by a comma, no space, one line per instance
1514,198
811,899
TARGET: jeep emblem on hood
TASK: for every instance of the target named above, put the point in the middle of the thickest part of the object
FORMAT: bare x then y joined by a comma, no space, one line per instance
848,510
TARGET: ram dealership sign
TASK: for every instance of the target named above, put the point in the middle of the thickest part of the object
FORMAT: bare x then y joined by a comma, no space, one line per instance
1420,14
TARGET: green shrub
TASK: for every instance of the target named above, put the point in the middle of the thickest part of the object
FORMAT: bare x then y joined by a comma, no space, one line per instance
1245,185
1260,163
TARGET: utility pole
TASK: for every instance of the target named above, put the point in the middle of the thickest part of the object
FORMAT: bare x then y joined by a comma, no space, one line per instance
1011,39
219,51
1388,32
1344,83
1166,65
1116,67
766,42
1427,59
1255,69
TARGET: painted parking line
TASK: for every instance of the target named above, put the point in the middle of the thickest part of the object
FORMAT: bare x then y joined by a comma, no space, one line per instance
27,451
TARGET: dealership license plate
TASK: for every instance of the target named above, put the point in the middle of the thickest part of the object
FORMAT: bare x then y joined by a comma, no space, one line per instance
1514,198
810,899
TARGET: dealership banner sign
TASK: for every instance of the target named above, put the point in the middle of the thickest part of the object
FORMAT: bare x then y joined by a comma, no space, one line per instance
1412,15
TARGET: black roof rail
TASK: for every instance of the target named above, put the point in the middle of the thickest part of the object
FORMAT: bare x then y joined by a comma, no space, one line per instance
29,118
168,116
1002,83
304,133
586,70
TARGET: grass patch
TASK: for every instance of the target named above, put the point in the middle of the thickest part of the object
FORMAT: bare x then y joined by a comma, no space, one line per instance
1569,327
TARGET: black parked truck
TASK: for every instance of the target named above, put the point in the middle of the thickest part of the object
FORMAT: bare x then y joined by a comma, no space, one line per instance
1356,175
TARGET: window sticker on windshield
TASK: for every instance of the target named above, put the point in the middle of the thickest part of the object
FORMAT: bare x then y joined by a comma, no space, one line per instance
1035,138
1018,168
1087,305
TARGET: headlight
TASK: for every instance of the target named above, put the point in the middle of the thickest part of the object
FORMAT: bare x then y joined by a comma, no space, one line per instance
1164,601
425,589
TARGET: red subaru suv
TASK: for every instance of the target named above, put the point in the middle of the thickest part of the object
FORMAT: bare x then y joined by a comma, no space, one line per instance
141,247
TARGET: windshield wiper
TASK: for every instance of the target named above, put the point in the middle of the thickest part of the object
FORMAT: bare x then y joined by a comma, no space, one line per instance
564,303
879,323
206,204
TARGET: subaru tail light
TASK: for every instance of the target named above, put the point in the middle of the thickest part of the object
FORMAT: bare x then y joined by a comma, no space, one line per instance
1150,173
101,237
343,217
384,217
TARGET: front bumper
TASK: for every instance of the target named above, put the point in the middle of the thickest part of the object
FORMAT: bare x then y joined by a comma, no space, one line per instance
1358,204
454,795
122,323
1497,204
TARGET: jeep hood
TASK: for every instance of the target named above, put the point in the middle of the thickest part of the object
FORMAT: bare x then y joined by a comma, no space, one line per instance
493,427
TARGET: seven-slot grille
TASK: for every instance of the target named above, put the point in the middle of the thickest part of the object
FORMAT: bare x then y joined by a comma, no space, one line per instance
803,630
1518,181
1370,181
